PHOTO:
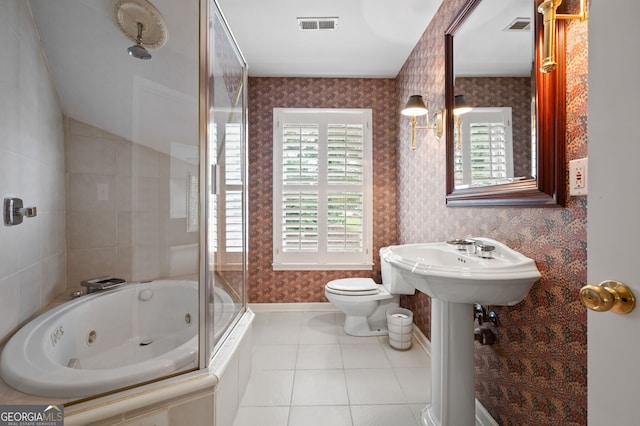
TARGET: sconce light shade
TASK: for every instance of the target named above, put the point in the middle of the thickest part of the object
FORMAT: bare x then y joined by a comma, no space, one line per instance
415,107
460,105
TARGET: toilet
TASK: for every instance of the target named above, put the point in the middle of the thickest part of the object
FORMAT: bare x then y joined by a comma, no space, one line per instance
365,302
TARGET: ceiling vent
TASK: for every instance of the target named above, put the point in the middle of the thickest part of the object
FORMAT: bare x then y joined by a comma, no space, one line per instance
519,24
317,24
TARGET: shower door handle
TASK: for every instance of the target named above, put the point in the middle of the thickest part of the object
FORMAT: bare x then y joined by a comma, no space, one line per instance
215,179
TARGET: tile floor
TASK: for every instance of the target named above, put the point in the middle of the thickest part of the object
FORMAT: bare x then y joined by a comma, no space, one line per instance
306,371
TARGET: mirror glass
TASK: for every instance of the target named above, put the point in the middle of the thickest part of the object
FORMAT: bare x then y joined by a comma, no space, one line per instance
509,150
493,64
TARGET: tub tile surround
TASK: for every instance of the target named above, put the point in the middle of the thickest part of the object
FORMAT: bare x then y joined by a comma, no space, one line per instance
32,268
121,220
536,373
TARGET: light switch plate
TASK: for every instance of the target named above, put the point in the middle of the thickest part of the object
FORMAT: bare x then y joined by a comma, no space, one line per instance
578,177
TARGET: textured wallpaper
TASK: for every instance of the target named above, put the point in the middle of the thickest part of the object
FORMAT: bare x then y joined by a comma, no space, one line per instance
265,94
536,374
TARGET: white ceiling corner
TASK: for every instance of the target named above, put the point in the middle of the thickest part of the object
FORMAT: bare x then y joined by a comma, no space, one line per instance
374,37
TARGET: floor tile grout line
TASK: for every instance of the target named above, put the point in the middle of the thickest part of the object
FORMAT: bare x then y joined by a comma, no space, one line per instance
341,343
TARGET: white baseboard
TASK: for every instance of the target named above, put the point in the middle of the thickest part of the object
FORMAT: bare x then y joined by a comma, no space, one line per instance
483,418
422,339
293,307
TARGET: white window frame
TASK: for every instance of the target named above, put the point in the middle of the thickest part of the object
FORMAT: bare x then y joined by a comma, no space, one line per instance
464,156
228,181
323,260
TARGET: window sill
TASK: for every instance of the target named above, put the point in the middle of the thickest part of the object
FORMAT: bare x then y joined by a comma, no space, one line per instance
322,267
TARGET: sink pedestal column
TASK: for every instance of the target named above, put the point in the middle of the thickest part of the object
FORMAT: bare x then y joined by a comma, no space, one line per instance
452,366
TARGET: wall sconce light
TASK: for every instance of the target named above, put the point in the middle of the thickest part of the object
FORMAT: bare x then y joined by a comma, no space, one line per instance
460,106
416,107
548,10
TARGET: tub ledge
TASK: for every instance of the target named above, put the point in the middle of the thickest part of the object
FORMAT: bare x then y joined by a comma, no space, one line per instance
139,397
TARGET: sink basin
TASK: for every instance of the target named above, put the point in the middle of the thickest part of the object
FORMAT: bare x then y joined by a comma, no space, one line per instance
456,277
451,274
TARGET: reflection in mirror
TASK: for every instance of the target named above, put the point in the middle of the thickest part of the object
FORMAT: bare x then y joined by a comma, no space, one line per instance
509,150
493,63
484,147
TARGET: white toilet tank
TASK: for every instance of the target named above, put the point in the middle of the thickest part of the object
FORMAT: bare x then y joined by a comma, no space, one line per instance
391,278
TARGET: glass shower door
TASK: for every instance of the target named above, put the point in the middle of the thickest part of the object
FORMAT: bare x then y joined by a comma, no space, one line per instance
226,221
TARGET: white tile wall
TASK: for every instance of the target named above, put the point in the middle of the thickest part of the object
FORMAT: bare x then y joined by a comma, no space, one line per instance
160,418
119,221
32,255
199,411
103,202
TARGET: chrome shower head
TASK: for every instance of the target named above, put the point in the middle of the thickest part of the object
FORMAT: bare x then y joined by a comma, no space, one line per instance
138,50
135,17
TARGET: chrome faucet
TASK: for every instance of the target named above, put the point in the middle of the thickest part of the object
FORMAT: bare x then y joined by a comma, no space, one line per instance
471,246
463,245
102,283
483,250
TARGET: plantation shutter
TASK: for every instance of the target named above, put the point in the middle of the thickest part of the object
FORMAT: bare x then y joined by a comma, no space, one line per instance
300,151
233,190
225,236
485,156
322,189
345,199
488,152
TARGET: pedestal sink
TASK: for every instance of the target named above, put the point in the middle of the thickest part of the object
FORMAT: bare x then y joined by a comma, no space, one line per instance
456,277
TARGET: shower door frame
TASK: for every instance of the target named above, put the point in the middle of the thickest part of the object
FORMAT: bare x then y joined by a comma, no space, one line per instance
208,349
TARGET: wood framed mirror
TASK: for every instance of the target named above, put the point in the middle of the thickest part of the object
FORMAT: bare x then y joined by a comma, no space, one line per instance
543,184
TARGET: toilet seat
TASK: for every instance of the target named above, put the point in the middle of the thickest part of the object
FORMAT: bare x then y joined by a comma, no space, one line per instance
353,287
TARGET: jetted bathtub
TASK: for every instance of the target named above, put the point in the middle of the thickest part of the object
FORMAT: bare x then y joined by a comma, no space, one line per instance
106,340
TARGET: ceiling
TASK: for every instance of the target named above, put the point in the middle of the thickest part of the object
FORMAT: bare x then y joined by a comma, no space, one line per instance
154,102
482,46
373,37
145,101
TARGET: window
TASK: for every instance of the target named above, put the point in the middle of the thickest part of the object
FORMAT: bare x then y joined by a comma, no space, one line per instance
225,236
485,154
322,200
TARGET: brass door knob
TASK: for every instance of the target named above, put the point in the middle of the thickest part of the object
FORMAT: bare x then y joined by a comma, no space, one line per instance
608,296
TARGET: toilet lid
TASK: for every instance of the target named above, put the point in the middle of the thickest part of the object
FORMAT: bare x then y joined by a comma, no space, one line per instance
353,287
